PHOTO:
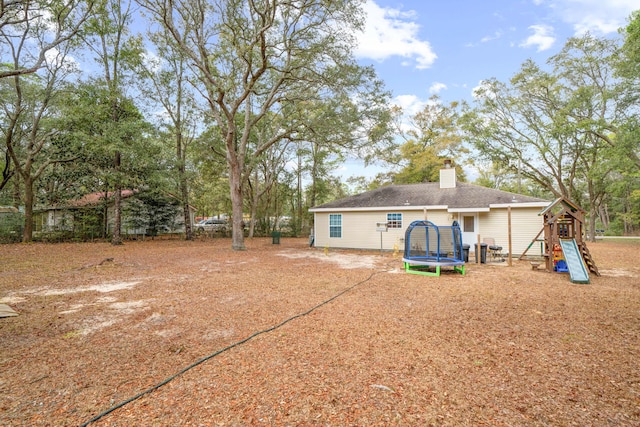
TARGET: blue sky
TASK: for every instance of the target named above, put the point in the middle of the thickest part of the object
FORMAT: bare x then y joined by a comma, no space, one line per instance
447,47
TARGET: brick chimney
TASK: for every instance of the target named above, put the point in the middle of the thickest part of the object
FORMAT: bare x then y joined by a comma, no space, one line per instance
448,175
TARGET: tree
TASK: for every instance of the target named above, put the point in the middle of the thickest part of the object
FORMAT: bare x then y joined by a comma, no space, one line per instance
166,84
152,211
593,118
556,128
210,185
115,53
628,64
510,126
7,125
261,58
37,37
35,31
88,119
621,209
432,137
267,171
31,135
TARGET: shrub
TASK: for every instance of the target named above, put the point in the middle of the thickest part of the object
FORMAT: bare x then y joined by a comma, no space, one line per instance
11,227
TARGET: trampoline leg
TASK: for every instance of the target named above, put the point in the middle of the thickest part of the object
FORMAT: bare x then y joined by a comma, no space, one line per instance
416,269
419,269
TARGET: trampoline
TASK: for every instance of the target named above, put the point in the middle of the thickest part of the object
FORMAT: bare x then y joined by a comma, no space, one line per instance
428,247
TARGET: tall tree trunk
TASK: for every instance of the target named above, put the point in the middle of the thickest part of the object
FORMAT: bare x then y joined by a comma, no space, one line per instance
255,197
297,229
105,213
184,187
116,238
593,215
188,230
235,185
17,198
628,212
7,172
27,234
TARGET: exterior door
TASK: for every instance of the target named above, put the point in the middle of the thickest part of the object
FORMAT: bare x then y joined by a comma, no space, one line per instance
469,227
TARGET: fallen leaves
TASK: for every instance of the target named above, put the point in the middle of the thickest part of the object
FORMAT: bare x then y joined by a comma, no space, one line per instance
498,346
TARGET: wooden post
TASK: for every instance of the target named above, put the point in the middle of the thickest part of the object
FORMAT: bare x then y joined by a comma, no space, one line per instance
509,227
478,251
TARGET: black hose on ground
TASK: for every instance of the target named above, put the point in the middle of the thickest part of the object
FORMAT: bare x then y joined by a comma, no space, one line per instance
229,347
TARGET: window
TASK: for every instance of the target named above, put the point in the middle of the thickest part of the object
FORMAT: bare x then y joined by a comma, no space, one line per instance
394,220
335,225
468,224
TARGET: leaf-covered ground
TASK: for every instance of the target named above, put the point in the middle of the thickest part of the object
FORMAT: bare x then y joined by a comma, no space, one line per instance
287,335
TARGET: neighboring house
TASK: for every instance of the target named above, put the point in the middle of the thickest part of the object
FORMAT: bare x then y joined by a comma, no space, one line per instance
8,210
360,221
66,217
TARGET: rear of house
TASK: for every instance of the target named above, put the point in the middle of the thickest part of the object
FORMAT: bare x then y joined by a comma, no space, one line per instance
378,219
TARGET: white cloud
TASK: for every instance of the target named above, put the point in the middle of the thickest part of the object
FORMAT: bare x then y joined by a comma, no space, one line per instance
486,39
410,104
55,59
595,16
437,87
483,90
151,61
392,32
43,18
496,35
542,38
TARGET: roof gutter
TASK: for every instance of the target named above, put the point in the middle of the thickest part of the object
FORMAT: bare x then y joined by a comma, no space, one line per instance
468,210
519,205
430,208
380,208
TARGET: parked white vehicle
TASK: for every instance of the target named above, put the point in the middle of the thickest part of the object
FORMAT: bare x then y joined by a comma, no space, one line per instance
212,224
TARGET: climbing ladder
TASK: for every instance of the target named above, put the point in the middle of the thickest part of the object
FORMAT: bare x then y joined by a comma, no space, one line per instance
586,256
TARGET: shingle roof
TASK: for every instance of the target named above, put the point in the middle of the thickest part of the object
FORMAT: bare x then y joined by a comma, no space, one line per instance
463,196
96,198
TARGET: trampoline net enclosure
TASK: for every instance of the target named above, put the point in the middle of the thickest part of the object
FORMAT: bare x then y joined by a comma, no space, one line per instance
425,241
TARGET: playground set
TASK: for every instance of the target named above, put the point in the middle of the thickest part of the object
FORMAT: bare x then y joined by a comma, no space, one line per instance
564,248
427,247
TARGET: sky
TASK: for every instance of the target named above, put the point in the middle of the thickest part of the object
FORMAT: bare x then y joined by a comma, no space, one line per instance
447,47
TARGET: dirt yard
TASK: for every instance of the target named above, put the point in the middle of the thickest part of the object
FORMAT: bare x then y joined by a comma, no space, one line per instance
195,334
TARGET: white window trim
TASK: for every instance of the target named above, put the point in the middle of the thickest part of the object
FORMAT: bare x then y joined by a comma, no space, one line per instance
401,221
341,226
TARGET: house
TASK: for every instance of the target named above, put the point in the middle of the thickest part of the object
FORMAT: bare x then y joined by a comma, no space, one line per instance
72,216
7,210
378,219
65,217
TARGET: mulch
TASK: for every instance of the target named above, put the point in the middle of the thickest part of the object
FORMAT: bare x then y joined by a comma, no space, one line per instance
283,335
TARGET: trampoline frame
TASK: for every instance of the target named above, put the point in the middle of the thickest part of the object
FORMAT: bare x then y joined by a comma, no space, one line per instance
417,264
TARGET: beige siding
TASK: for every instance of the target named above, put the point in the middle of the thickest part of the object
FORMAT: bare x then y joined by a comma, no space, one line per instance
440,217
359,228
525,225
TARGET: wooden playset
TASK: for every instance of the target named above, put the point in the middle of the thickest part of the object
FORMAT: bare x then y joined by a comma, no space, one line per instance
564,247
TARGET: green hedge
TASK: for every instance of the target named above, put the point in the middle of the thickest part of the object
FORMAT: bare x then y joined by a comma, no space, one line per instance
11,227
